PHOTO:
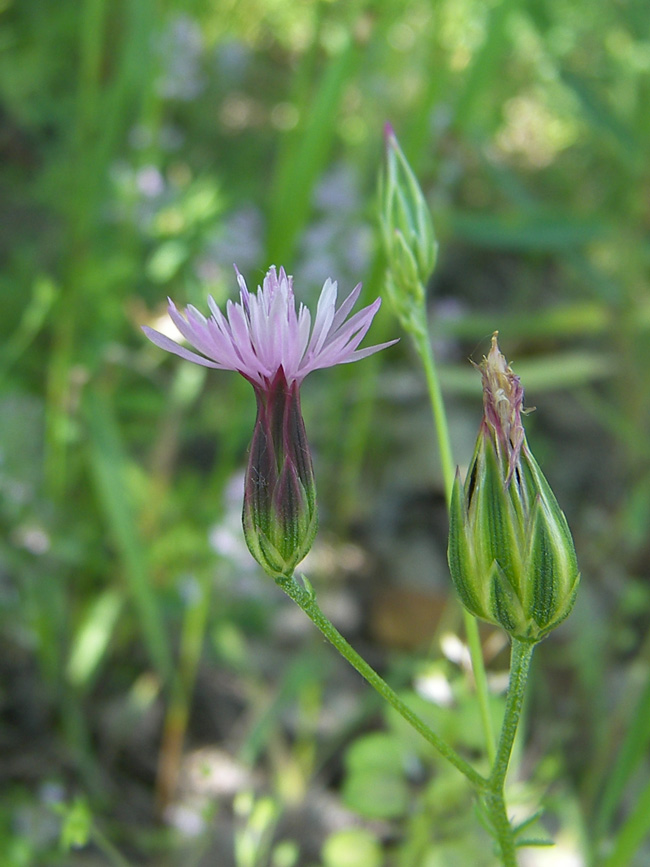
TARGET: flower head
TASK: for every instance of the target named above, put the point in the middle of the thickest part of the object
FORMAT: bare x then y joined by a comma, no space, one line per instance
274,346
264,332
511,555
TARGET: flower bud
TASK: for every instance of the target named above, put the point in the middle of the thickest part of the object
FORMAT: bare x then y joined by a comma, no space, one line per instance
280,517
407,231
511,555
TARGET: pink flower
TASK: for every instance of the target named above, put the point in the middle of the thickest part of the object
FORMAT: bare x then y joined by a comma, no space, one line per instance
275,347
264,332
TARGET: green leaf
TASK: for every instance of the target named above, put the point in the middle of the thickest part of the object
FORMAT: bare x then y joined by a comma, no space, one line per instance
93,636
108,463
375,784
376,794
633,832
353,847
525,232
77,825
166,260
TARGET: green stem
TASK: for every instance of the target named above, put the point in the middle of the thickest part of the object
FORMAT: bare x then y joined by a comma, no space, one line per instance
495,806
520,656
423,346
447,464
306,600
494,800
113,855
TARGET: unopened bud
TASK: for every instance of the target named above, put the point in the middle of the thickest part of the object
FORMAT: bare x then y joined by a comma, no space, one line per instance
511,555
407,230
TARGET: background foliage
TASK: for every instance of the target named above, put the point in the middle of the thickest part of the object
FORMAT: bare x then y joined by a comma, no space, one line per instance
159,703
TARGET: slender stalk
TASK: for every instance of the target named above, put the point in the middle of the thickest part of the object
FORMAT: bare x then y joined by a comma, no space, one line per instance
113,855
423,346
495,806
494,800
520,657
307,601
447,464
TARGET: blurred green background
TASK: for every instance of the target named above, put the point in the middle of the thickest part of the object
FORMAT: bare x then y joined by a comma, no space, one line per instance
160,703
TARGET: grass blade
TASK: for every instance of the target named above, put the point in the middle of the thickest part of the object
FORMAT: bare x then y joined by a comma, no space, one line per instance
108,466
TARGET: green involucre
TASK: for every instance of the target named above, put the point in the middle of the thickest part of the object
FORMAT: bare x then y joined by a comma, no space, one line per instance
511,555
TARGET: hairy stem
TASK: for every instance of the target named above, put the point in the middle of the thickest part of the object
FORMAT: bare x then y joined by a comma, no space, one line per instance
495,806
520,657
306,600
494,800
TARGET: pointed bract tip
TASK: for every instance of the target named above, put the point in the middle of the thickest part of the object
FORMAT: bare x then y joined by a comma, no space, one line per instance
389,132
503,398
